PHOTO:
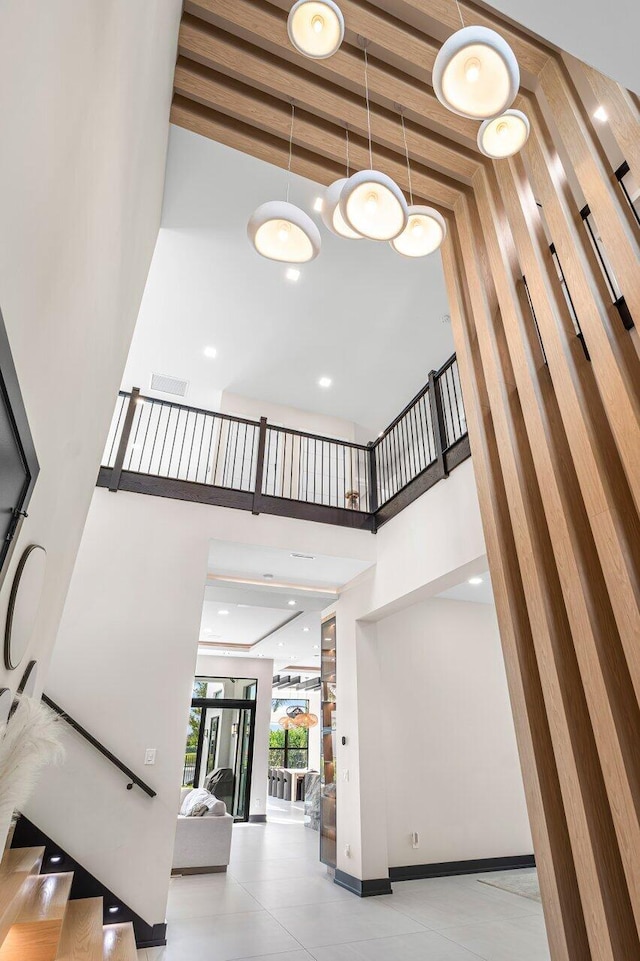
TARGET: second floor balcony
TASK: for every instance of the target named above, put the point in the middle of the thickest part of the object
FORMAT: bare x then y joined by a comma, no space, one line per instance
172,450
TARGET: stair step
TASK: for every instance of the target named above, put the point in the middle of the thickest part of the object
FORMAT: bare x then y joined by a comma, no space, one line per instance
81,938
17,865
35,933
119,942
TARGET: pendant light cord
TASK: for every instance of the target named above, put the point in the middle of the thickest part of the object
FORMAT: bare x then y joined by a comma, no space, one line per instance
406,153
366,95
460,12
293,111
346,130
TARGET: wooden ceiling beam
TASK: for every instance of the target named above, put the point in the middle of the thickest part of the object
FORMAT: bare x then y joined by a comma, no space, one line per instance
440,18
230,132
222,53
273,116
265,28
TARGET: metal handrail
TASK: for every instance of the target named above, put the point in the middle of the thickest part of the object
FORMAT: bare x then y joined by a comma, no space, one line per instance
110,756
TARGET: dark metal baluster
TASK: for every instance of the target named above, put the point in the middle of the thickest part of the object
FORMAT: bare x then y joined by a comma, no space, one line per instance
208,461
214,474
116,471
115,433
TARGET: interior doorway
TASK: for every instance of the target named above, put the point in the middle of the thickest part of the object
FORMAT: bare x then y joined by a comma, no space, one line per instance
219,747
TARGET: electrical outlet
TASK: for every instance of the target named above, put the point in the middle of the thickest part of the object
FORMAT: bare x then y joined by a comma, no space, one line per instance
345,774
150,755
347,850
415,841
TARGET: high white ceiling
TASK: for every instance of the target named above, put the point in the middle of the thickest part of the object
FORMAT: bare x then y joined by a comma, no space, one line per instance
283,611
360,314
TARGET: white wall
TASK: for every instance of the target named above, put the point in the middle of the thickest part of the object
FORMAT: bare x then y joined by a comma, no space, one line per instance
284,416
447,752
124,664
262,669
85,91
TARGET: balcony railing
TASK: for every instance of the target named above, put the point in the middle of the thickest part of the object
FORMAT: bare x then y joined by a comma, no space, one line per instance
159,447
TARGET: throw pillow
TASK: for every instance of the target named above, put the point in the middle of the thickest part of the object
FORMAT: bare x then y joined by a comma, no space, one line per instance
197,796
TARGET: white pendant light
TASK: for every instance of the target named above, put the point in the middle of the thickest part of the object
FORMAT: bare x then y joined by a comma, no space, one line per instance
476,73
505,135
281,231
332,215
330,210
371,203
423,234
316,28
426,228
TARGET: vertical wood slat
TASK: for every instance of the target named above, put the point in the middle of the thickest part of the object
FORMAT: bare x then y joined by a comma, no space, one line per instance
603,198
622,115
614,361
568,720
565,923
616,736
562,446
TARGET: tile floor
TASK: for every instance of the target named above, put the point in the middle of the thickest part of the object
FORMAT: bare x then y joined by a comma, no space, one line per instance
276,904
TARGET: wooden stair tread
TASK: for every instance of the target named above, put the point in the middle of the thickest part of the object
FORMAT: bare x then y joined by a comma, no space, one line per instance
81,937
26,860
119,942
18,864
46,897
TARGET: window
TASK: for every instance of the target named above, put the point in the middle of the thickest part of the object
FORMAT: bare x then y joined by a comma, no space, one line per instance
288,748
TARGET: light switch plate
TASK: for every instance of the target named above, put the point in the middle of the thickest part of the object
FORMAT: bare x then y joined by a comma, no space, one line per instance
150,755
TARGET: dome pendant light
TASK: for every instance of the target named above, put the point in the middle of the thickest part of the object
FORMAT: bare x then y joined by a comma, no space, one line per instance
426,228
331,214
476,73
316,28
371,203
505,135
281,231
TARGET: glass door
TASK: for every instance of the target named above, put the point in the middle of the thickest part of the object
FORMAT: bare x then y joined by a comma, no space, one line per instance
219,747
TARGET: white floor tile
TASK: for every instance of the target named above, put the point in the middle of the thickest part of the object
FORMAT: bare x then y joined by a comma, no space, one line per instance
244,871
195,897
277,903
457,902
338,922
287,893
520,939
424,946
226,937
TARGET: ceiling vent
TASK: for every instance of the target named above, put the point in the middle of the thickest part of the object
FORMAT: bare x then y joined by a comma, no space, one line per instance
169,385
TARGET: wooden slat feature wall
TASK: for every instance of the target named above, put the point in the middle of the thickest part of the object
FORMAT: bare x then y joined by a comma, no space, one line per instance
554,427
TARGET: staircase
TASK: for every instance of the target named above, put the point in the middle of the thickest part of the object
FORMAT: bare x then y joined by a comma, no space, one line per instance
38,922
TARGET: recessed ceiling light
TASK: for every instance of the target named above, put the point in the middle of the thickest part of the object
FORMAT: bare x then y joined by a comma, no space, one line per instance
293,274
210,352
317,204
316,646
292,603
601,114
223,613
304,557
280,643
325,382
305,629
475,580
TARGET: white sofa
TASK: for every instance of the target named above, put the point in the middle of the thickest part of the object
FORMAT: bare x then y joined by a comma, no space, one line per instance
203,844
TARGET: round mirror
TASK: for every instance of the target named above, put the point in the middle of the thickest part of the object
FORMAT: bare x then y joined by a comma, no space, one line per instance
23,604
